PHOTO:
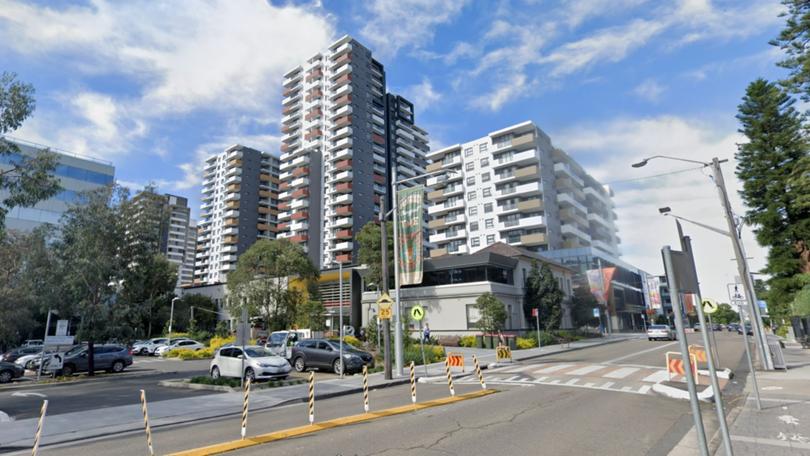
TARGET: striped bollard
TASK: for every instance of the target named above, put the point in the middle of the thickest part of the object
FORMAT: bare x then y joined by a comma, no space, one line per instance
40,424
365,388
478,371
245,400
311,397
413,383
449,377
146,424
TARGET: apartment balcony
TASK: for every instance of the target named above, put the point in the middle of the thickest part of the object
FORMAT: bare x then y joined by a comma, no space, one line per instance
515,141
231,214
285,215
343,187
564,169
341,154
298,238
300,215
448,236
446,192
342,49
533,239
299,226
232,204
342,81
445,207
568,200
341,144
283,226
344,258
598,219
343,234
313,134
342,101
529,188
604,246
232,188
293,78
568,229
230,231
437,223
342,222
234,170
524,222
435,253
341,133
341,176
263,227
600,197
232,197
343,210
341,122
525,173
314,75
405,152
340,112
344,69
442,180
294,97
515,158
438,155
342,246
299,204
530,205
300,193
291,117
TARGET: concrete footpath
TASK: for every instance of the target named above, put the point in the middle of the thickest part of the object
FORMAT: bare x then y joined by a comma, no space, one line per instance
106,421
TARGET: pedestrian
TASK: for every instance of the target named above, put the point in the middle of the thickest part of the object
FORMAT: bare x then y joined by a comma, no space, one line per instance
363,334
426,333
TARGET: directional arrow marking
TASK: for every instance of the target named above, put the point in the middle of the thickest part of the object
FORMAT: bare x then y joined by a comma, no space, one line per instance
20,394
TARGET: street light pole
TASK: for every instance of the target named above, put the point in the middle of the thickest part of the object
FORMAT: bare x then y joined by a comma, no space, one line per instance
398,345
386,327
171,319
340,315
42,354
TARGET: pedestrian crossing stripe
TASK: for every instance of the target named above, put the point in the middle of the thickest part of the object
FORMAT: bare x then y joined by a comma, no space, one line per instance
621,373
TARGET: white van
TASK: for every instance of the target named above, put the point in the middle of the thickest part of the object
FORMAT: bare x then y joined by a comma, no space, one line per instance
281,342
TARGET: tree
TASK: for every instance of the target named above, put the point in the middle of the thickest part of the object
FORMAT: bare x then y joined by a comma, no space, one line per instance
370,251
543,293
311,314
492,313
725,314
262,279
583,302
206,313
793,40
772,165
25,180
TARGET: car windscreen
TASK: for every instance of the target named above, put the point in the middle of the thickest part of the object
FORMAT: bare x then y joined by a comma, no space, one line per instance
75,351
659,327
258,352
277,339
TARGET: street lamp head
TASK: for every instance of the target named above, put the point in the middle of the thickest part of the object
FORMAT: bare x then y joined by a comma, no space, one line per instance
641,163
664,210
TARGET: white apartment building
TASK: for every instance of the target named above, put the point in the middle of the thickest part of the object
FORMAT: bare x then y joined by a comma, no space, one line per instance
239,205
342,132
513,186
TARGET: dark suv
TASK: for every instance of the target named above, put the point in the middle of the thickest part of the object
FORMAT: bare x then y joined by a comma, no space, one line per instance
325,354
109,357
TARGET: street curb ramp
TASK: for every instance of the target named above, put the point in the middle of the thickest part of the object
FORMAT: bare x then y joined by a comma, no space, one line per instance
707,395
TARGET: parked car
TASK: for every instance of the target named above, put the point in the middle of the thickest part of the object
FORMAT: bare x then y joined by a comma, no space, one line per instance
148,347
109,357
325,354
717,327
13,354
657,332
32,343
183,344
259,363
696,327
29,361
281,342
748,329
10,371
732,327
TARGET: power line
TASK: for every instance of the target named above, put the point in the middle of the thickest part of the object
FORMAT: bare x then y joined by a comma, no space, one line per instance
654,175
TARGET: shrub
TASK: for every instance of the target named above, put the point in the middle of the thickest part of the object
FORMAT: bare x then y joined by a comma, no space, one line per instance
351,340
526,342
217,341
222,381
467,341
545,338
433,354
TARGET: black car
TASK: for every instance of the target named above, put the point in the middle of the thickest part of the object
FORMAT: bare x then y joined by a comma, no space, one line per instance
10,371
109,357
12,355
748,329
325,354
731,327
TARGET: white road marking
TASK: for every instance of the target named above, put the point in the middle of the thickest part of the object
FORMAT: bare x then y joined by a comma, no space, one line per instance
657,377
21,394
626,388
621,373
771,388
657,347
4,418
586,370
589,385
555,381
607,385
514,370
572,381
796,444
789,419
551,369
542,379
510,379
644,389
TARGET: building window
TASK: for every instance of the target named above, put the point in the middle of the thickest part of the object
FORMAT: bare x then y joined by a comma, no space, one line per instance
484,162
487,208
471,196
475,242
471,180
487,192
468,152
490,239
473,226
482,148
485,177
470,166
473,316
489,223
474,210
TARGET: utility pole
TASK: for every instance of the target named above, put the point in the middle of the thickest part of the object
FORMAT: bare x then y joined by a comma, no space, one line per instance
42,354
340,315
398,346
675,297
742,267
385,323
745,344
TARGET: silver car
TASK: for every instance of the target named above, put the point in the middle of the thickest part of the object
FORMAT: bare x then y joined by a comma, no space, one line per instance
657,332
148,347
258,363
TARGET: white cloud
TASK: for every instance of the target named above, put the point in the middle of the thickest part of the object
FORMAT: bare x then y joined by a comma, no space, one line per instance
391,25
501,94
703,20
649,90
575,12
423,95
612,146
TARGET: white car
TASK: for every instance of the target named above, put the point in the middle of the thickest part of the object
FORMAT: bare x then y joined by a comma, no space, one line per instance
31,361
259,363
183,344
655,332
148,347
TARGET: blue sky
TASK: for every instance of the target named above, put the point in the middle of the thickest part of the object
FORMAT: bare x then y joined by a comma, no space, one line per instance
154,87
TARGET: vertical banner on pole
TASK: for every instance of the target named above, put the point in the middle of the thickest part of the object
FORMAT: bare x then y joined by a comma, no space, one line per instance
245,400
146,424
365,388
40,425
413,383
311,397
410,212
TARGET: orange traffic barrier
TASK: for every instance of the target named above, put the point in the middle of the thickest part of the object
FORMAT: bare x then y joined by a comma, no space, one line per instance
455,360
675,365
699,352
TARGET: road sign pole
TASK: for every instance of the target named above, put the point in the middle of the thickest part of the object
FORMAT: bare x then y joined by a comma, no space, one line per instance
714,344
747,350
398,342
422,345
42,354
690,380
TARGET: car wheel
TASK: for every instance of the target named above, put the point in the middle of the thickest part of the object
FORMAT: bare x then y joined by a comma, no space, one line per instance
299,364
29,365
215,372
144,351
117,367
68,370
337,366
250,375
649,339
6,376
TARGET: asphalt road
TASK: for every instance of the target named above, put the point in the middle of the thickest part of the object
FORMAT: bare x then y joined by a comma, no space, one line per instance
520,419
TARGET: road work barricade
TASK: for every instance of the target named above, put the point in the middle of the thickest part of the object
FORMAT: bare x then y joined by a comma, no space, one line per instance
699,352
503,353
455,359
676,366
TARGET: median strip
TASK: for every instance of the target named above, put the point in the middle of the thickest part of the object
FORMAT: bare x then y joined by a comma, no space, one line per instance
338,422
